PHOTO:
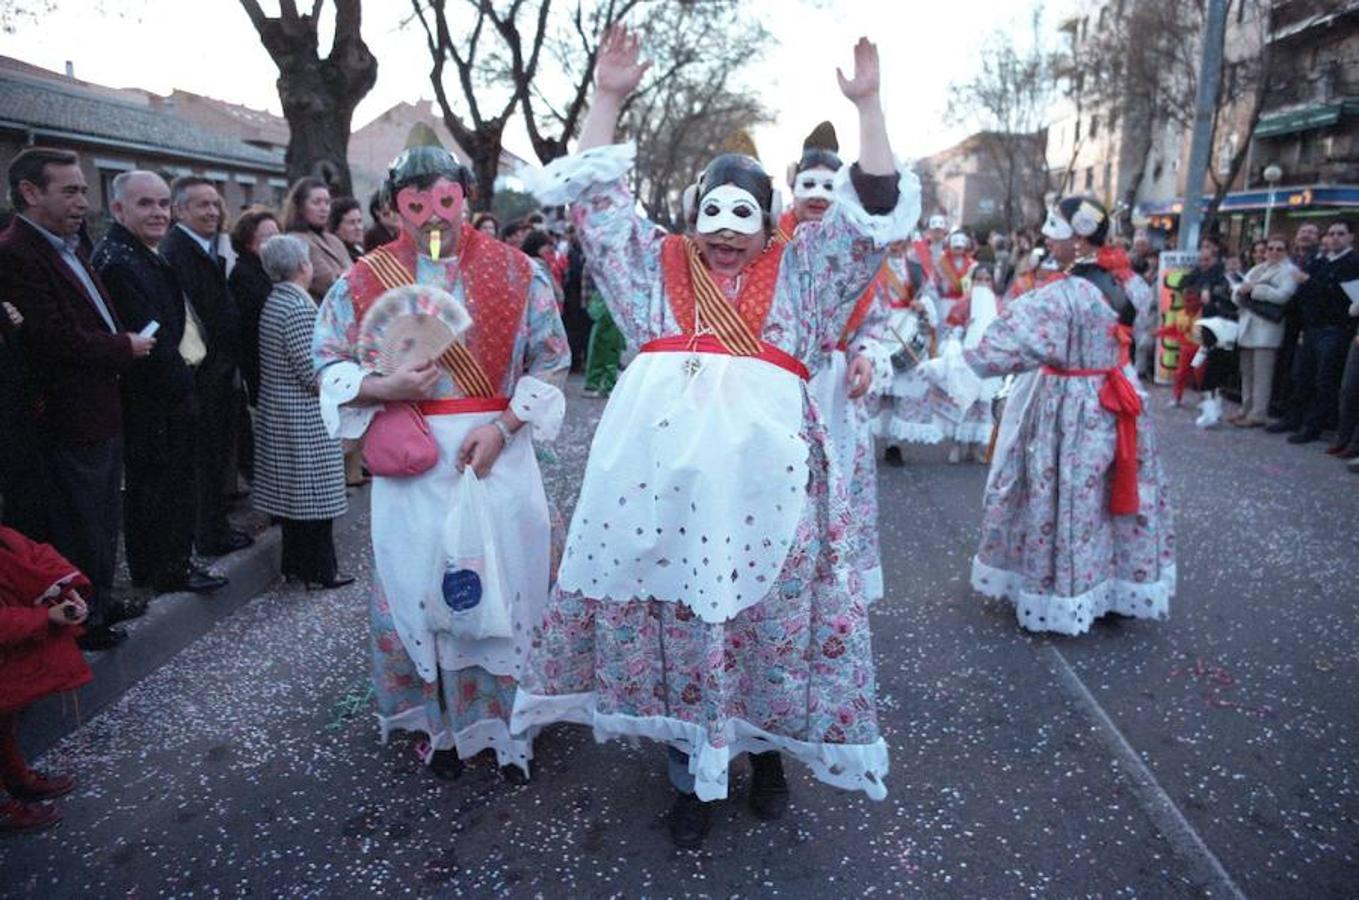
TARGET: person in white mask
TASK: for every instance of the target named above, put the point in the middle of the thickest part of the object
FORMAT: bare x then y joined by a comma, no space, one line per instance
706,599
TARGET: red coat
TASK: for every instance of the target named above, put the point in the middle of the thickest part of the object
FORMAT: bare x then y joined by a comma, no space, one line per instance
37,658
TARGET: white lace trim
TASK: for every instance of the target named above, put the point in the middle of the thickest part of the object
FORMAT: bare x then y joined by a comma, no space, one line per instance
873,586
894,226
893,429
854,767
973,432
484,734
1075,615
339,384
566,178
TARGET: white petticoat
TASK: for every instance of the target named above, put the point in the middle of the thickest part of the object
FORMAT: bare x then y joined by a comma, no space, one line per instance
1075,615
694,487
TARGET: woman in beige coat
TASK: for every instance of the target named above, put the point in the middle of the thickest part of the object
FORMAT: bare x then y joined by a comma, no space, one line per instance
306,213
1258,339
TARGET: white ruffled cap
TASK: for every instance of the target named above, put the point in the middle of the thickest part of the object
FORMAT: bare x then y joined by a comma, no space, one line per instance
566,178
896,225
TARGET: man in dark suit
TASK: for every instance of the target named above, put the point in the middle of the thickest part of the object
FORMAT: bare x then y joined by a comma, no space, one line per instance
191,249
76,349
159,420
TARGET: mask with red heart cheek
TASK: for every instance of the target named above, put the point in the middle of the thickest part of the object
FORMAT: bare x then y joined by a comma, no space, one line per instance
444,201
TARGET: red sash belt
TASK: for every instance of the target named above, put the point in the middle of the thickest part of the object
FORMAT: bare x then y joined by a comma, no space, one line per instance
707,343
1119,397
454,406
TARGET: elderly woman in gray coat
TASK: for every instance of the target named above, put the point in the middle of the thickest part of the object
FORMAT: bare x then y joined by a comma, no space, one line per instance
1267,286
299,469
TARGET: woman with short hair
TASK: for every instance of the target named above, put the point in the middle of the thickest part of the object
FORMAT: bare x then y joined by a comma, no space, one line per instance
250,287
346,223
299,469
306,213
1261,299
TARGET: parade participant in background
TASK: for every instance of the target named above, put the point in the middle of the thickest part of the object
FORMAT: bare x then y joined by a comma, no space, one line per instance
812,179
857,357
705,599
475,398
1077,523
969,319
1026,276
952,272
605,349
906,413
1213,332
930,247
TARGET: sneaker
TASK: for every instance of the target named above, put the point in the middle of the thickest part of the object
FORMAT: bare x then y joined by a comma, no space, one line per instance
690,819
768,786
19,818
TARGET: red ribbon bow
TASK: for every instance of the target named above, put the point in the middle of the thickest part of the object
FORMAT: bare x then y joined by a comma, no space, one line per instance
1120,397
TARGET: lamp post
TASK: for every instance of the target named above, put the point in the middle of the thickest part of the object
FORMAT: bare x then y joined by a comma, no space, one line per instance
1272,175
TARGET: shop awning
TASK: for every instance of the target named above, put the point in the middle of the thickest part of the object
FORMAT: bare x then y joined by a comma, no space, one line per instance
1291,198
1308,118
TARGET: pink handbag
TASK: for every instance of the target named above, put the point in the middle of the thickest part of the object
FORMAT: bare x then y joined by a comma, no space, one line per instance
398,443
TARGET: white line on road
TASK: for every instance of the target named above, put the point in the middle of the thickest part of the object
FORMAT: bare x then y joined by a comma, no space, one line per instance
1154,800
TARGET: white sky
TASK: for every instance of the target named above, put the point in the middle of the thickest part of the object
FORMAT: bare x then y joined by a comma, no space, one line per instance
209,47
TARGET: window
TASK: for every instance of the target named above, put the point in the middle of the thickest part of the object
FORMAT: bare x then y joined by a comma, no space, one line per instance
1094,126
1089,178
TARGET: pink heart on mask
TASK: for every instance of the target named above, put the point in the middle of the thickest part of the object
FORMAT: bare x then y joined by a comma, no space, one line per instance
447,198
415,206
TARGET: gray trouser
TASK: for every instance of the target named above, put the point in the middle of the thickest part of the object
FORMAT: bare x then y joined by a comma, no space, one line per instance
1257,378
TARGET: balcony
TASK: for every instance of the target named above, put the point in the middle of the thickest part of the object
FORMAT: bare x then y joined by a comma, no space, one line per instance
1291,20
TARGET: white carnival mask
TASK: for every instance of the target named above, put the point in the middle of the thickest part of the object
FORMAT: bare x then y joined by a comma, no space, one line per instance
1056,227
729,208
814,184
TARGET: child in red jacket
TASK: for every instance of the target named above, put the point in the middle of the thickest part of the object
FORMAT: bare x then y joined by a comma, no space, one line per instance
41,609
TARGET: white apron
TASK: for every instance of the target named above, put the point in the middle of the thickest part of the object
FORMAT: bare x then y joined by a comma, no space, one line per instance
831,395
408,518
694,487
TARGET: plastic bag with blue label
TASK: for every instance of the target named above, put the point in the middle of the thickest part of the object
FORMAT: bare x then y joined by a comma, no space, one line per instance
472,588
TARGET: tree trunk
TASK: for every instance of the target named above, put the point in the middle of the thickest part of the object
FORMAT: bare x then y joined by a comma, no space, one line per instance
318,95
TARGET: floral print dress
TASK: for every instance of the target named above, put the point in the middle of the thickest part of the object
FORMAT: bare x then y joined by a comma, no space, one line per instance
794,671
1049,542
466,708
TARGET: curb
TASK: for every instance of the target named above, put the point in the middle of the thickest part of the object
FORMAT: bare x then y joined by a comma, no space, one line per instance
171,623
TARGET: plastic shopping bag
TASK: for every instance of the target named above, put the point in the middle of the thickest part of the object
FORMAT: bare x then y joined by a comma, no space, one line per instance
474,605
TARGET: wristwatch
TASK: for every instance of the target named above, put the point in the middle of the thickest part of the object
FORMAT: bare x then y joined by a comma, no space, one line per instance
503,429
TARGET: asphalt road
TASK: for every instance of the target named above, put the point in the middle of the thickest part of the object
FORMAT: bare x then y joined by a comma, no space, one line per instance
1211,755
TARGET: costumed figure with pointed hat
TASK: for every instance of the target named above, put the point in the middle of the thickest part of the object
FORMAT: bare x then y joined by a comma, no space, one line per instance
1077,522
444,352
859,361
706,599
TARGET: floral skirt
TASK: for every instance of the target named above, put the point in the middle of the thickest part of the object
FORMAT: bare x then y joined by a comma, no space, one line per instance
793,672
467,709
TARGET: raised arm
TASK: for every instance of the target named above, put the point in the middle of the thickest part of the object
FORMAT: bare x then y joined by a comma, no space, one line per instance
875,150
618,71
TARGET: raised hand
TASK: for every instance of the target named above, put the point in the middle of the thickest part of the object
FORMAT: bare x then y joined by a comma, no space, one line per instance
619,67
863,86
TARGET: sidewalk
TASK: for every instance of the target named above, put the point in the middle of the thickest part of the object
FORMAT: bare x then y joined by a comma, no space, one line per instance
171,623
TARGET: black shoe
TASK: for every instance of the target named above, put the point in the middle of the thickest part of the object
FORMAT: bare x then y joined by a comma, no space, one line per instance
230,542
446,765
122,610
768,787
892,456
690,819
337,580
101,637
191,579
514,775
1306,436
1280,427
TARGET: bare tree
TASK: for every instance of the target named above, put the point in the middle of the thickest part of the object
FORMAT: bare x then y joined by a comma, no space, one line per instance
1008,98
1142,67
536,58
318,95
691,105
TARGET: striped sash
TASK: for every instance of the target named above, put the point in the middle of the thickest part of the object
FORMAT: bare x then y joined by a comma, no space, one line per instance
715,311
